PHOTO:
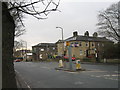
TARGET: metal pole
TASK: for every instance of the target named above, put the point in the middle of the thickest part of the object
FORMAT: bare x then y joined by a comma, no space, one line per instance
63,45
70,57
62,39
62,31
26,50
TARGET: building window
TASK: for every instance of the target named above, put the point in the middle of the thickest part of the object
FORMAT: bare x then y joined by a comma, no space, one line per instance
103,44
53,48
85,52
92,44
81,52
76,44
42,50
48,49
72,44
80,44
34,49
98,44
86,44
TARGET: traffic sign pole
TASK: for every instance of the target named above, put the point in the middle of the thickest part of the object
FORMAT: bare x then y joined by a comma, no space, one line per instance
70,57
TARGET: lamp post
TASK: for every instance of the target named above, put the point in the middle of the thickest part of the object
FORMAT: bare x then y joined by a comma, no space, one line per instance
63,45
62,39
62,31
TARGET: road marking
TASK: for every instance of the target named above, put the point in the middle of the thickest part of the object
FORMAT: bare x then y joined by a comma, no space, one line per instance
114,75
16,71
110,77
27,85
72,72
23,79
94,71
45,67
77,83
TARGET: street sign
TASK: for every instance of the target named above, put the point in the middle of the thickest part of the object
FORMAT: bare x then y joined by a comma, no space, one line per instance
67,43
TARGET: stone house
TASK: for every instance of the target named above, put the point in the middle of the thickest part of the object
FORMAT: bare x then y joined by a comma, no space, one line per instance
60,47
43,51
84,46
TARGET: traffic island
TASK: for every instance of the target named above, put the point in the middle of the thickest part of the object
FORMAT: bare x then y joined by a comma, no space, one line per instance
75,70
82,69
59,68
70,68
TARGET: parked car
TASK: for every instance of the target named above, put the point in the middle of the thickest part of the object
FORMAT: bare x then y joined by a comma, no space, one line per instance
17,60
67,58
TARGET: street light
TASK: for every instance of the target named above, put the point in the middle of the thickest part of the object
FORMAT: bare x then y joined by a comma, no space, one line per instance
62,31
62,39
63,45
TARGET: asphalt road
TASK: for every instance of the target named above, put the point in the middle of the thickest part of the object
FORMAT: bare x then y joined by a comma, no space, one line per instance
44,75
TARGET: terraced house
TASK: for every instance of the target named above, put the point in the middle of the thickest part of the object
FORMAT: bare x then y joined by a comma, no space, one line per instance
84,45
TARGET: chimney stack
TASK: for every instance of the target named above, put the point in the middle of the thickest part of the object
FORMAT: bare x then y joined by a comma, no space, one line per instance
86,34
75,34
95,34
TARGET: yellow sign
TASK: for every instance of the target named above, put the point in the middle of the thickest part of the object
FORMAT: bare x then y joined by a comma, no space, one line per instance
67,43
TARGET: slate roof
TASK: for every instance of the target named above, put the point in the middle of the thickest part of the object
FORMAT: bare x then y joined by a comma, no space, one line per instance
45,44
88,38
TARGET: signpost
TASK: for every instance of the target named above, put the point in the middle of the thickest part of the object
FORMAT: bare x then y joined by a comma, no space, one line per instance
70,55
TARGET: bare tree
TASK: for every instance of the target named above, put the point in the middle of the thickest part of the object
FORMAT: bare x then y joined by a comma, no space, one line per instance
20,45
108,22
17,45
19,28
17,10
30,8
9,21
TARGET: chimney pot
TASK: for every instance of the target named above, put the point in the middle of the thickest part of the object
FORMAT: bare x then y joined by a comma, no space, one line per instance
75,33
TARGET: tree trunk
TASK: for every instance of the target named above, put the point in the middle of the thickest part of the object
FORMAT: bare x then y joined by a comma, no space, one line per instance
8,29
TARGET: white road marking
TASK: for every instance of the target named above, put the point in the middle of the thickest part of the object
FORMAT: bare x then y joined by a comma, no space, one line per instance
78,82
94,71
23,79
72,72
45,67
16,71
111,77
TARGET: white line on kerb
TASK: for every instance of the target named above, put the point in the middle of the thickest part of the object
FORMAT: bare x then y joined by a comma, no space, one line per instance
27,85
23,80
16,71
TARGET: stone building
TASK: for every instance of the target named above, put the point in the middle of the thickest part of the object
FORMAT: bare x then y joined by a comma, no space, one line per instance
21,53
60,47
84,46
43,51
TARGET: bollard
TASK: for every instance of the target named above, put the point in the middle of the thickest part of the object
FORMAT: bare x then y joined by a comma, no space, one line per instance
78,65
105,60
60,64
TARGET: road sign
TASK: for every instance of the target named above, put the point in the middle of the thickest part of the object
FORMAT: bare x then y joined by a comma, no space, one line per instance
67,43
